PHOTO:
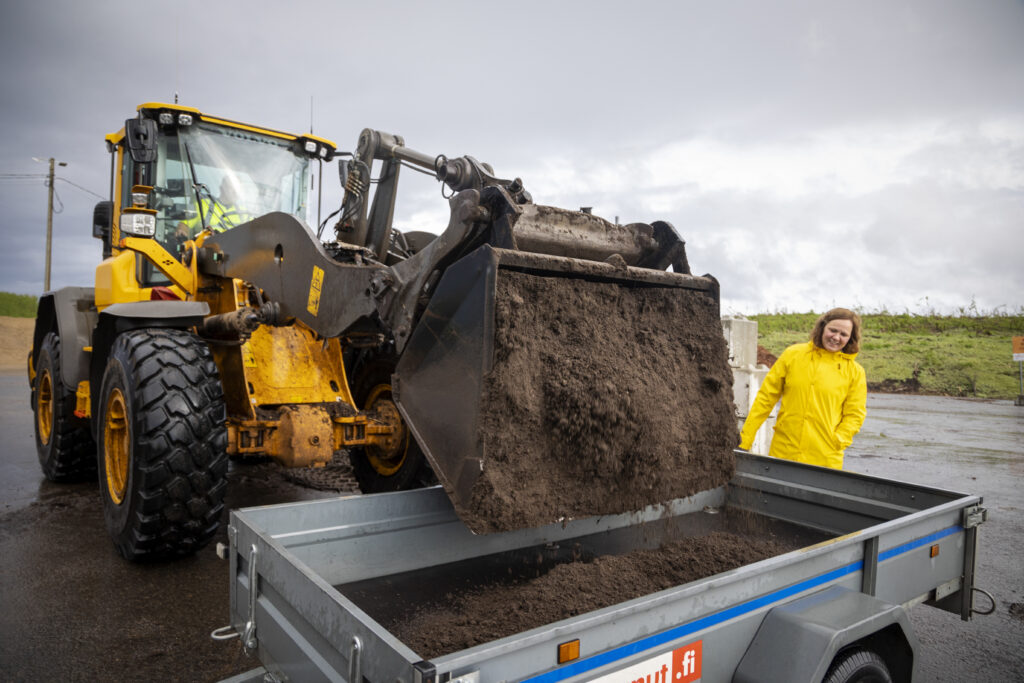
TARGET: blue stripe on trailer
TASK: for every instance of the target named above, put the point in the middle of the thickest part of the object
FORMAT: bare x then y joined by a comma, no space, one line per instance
917,543
683,630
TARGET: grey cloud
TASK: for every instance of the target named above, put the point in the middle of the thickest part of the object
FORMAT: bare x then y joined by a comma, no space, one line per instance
592,83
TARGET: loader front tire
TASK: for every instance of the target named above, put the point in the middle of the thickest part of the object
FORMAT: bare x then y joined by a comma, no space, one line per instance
162,440
67,452
400,465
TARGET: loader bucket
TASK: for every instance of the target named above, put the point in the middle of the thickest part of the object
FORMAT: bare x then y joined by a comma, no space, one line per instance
533,381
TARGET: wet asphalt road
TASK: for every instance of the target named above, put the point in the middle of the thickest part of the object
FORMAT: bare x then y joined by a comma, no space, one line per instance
973,447
71,609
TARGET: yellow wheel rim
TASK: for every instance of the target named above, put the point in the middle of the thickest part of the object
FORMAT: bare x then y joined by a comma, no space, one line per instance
116,445
388,457
45,407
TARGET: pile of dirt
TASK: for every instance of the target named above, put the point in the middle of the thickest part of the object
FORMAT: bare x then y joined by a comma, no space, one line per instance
17,336
765,357
481,615
602,399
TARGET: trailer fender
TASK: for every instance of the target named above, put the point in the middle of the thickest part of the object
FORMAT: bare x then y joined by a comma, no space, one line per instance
799,641
119,318
71,313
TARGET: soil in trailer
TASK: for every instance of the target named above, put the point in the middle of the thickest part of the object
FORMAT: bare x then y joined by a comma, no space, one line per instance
450,608
603,398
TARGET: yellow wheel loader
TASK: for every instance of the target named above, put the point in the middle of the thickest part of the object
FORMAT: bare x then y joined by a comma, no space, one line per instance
221,324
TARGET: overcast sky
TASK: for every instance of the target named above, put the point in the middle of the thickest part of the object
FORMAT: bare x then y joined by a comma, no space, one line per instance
864,153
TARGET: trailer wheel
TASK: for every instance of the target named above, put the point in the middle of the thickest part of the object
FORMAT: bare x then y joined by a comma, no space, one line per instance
400,464
162,441
858,666
64,443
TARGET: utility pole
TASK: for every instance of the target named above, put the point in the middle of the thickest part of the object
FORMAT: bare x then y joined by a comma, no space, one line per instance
49,224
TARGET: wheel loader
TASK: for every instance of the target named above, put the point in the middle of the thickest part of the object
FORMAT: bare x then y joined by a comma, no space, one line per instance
230,327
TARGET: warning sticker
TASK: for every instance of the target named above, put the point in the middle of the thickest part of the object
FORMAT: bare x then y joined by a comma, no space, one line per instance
682,665
315,285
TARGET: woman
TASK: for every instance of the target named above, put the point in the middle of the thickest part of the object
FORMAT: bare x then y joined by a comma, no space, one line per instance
823,391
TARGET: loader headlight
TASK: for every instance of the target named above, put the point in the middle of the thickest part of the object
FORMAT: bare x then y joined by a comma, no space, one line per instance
139,224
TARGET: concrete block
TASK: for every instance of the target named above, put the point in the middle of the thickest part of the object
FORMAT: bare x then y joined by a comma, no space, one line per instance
741,335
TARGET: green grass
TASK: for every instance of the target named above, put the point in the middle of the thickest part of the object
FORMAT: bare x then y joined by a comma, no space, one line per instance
18,305
964,355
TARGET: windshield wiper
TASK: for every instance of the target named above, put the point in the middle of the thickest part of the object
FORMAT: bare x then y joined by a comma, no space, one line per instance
197,186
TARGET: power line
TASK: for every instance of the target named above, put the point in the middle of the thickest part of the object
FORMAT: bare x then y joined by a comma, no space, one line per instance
85,189
17,177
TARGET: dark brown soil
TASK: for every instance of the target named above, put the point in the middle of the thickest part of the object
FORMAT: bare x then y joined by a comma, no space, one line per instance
911,385
603,399
480,615
765,357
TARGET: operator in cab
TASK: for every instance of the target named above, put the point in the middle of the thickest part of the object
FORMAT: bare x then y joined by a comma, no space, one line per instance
823,391
220,214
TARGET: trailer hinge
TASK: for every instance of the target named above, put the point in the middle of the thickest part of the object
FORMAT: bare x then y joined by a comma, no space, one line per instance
249,635
355,662
974,516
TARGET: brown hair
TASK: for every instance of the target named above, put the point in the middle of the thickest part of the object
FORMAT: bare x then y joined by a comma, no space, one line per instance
853,345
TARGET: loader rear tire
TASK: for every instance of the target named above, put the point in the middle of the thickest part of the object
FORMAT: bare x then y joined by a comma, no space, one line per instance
162,440
67,452
399,467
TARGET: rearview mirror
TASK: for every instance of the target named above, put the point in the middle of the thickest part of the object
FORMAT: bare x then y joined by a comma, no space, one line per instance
141,136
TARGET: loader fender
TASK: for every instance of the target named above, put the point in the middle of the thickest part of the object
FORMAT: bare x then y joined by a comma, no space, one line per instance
818,636
71,313
119,318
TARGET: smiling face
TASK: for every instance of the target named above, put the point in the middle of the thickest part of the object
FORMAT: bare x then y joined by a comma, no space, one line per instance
836,334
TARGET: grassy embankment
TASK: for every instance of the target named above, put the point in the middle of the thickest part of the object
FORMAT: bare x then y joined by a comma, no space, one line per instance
18,305
964,355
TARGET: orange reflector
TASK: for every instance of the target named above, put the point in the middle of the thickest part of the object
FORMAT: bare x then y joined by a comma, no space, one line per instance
569,651
933,551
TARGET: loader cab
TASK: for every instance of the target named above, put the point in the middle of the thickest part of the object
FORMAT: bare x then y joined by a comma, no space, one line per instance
205,172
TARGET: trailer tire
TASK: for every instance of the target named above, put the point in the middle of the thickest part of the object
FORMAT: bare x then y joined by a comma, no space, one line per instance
162,441
64,444
858,666
400,468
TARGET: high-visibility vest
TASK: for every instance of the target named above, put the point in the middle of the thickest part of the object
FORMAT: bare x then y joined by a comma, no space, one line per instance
217,217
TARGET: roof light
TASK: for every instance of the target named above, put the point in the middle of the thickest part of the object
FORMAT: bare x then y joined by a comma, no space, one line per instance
323,152
310,146
166,118
184,119
138,224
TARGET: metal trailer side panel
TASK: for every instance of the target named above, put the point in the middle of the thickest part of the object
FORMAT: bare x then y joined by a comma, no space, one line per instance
305,627
359,537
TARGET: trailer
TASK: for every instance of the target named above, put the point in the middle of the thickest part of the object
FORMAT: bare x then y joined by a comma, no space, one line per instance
305,578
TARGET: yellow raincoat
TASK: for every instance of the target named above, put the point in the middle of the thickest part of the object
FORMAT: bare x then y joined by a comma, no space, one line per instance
824,397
